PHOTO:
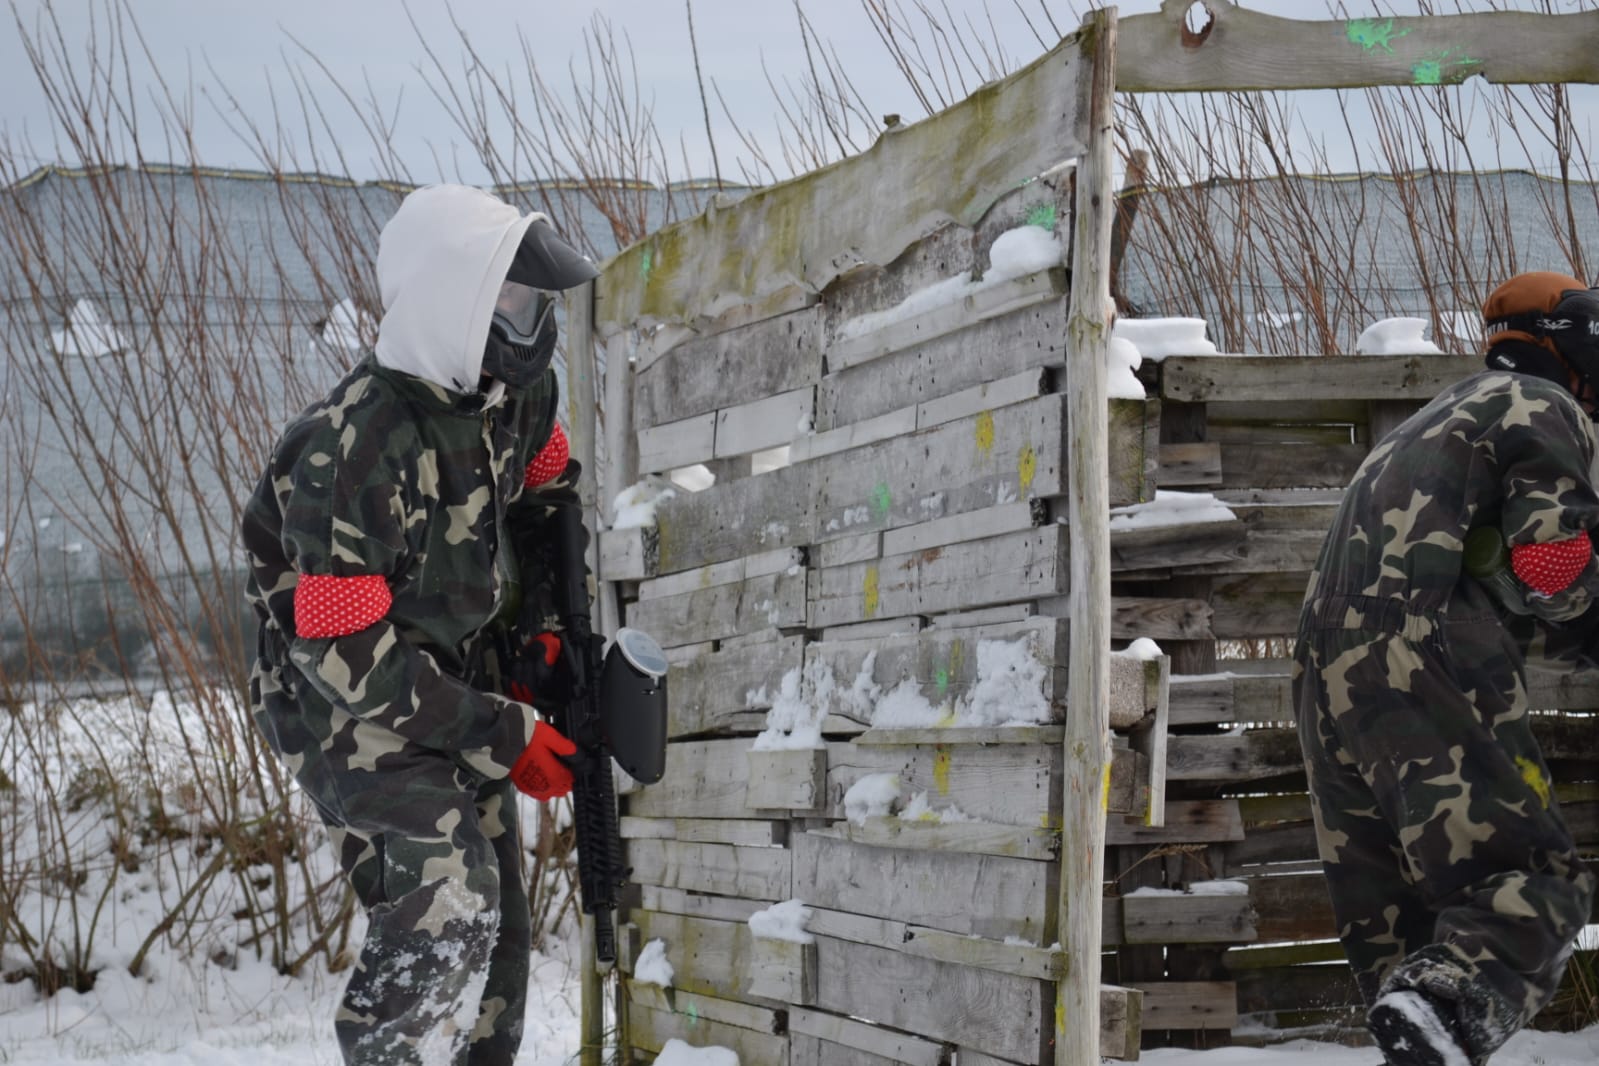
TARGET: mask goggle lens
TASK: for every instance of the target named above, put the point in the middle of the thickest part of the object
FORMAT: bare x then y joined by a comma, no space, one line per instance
522,312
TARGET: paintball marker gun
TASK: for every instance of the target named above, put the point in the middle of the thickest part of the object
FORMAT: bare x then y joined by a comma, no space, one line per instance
617,710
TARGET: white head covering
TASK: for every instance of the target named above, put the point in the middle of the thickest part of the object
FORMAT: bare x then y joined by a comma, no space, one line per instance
441,260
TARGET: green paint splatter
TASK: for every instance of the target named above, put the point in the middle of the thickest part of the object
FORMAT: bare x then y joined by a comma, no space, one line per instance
942,680
1370,34
883,500
1043,216
693,1013
647,263
1441,69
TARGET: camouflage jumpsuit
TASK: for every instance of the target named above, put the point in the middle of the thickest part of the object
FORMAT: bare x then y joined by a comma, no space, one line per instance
1450,868
403,755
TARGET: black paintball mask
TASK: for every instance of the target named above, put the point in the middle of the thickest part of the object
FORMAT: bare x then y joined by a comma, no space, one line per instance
1571,327
522,330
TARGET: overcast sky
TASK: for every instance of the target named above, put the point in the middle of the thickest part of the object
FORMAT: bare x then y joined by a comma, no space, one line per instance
254,47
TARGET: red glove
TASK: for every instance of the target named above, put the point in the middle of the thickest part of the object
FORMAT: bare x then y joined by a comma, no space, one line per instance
539,772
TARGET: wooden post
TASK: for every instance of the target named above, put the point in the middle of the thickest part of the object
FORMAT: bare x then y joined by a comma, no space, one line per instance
1087,746
580,420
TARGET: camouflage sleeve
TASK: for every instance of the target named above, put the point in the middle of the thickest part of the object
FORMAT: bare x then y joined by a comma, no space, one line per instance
345,513
1546,451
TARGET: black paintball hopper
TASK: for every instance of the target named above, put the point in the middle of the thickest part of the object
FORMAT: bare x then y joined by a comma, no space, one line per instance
633,705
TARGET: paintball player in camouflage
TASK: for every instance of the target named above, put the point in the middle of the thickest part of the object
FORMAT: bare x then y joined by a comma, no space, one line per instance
380,550
1455,885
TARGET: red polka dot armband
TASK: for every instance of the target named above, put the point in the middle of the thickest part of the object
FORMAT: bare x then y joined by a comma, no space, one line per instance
328,606
550,461
1551,568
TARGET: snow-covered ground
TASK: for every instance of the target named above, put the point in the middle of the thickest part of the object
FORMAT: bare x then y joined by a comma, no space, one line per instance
253,1017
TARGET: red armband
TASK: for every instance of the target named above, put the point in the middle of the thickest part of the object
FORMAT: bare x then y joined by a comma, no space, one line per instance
550,461
328,606
1551,568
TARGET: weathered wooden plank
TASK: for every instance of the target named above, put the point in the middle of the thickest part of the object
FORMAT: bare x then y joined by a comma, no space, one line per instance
969,464
723,869
1186,822
1189,465
1189,1004
1251,757
1201,698
1240,49
730,367
1160,618
986,396
779,561
746,833
981,838
1005,784
793,779
1286,466
862,340
840,1041
1150,738
628,554
785,970
1257,605
1201,378
1016,566
703,779
853,435
649,1030
671,445
1169,918
944,736
692,905
979,352
950,167
1012,956
713,690
1265,552
1292,907
994,457
942,663
765,423
844,550
1194,544
736,518
993,1012
724,610
1120,1029
692,1005
973,525
937,890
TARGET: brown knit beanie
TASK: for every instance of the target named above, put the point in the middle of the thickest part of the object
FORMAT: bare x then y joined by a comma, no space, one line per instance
1533,292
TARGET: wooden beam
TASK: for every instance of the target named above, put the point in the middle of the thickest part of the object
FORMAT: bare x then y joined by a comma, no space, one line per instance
1200,378
1084,781
808,231
1241,50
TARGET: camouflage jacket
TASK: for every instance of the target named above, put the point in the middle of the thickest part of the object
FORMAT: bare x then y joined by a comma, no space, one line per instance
1501,449
397,476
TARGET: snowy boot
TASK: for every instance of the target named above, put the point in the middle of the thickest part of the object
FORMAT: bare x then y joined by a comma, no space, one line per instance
1414,1029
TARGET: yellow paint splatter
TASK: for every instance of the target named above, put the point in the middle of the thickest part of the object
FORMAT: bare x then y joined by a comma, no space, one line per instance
1027,466
1104,789
1060,1016
941,771
1533,775
985,433
957,659
869,592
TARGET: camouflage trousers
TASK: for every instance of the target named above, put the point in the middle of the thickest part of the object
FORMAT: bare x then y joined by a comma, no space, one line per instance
433,853
1448,864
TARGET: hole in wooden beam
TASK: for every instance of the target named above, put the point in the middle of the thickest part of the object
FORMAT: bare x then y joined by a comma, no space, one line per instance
1197,24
